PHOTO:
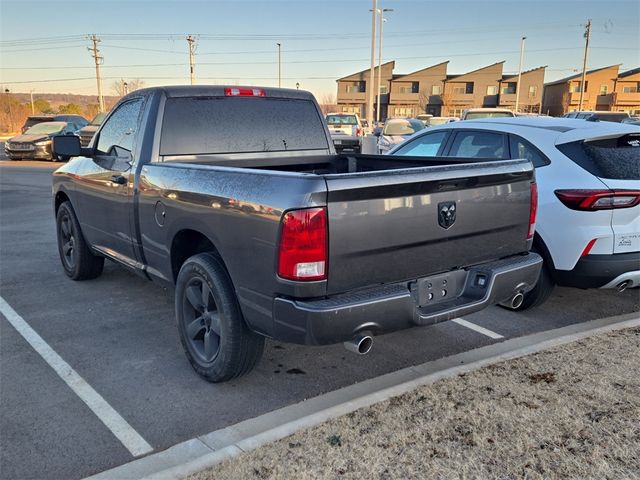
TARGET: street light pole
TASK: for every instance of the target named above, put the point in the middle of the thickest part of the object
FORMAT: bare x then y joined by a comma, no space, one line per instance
279,65
382,20
369,89
520,72
33,107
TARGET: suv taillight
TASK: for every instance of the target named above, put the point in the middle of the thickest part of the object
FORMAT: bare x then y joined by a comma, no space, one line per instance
302,251
588,200
533,210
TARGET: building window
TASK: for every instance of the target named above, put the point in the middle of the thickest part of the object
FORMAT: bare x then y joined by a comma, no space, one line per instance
575,87
383,89
604,89
509,87
413,88
403,112
468,87
631,88
455,112
492,90
351,109
356,87
458,90
436,90
533,91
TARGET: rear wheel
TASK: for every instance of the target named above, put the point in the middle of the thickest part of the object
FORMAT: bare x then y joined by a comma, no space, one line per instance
77,259
214,335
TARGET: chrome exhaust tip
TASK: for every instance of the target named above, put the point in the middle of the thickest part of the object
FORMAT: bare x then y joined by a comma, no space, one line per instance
361,344
517,300
622,286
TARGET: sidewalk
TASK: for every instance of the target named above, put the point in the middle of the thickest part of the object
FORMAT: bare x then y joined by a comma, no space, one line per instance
569,412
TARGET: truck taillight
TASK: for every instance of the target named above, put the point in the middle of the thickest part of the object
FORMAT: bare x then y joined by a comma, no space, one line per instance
358,132
588,200
533,210
302,251
244,92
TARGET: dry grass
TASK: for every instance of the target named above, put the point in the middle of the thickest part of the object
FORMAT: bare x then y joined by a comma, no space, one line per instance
569,412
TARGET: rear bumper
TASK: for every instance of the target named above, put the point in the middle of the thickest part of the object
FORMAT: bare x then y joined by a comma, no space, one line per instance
396,307
347,144
601,271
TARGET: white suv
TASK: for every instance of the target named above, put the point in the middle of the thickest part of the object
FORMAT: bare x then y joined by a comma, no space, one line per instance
588,176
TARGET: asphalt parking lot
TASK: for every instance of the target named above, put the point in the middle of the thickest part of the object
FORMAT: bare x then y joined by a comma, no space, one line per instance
118,333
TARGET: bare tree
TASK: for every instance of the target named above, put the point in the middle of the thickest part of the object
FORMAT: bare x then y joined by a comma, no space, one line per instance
122,87
328,103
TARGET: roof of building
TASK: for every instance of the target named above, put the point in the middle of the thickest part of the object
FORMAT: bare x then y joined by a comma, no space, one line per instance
460,75
366,70
578,75
629,72
505,77
396,77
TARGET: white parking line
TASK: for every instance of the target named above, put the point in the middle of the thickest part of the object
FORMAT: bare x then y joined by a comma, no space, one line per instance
98,405
477,328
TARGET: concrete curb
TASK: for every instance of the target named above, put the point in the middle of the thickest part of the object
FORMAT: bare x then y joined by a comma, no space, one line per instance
205,451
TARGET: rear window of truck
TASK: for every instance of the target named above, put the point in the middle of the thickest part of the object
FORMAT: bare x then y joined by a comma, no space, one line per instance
342,120
223,125
613,158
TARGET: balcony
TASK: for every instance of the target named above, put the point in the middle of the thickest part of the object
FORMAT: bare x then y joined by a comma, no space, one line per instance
574,97
626,98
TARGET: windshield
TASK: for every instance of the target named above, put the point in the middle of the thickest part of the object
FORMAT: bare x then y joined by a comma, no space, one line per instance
98,119
342,120
476,115
46,128
401,127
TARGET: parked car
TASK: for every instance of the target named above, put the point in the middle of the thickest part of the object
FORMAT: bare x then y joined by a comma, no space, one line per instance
631,121
346,131
32,120
395,131
424,118
433,121
478,113
35,143
86,133
588,173
241,202
598,115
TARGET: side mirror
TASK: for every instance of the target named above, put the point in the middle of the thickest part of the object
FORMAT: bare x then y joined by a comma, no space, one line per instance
66,146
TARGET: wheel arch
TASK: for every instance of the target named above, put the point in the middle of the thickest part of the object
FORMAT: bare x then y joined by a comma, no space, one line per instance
60,197
186,243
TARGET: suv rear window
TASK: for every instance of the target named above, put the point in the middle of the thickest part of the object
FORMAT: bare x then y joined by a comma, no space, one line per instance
614,158
218,125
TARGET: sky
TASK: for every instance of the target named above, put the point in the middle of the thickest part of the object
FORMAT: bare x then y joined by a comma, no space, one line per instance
43,45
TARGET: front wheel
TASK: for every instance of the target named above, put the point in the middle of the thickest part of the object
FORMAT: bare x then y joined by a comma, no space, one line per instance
77,259
214,335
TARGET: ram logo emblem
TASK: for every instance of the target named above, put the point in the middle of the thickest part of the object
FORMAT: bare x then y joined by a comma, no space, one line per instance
446,214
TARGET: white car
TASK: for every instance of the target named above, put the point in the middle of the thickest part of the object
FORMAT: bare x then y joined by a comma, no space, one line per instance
588,179
395,131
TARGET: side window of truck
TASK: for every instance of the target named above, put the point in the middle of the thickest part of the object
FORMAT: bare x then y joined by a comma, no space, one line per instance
427,145
118,134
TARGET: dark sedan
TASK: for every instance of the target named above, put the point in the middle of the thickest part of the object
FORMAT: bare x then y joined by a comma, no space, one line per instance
35,143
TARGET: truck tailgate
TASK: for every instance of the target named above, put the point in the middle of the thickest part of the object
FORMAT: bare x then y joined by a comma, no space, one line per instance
384,226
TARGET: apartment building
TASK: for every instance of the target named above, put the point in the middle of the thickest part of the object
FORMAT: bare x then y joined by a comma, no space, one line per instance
563,95
431,90
530,94
418,92
352,91
626,92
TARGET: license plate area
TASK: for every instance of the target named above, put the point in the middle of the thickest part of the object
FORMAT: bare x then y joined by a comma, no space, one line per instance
439,288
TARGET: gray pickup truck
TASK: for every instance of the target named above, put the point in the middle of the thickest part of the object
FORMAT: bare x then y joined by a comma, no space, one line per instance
237,198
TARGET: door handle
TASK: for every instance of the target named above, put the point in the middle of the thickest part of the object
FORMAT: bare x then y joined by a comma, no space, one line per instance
119,179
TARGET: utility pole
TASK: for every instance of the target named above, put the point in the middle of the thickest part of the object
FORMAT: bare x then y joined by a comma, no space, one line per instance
95,53
382,20
587,35
369,89
520,72
33,107
279,65
192,50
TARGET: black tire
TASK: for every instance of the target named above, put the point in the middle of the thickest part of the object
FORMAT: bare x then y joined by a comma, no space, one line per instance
77,259
214,335
539,294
